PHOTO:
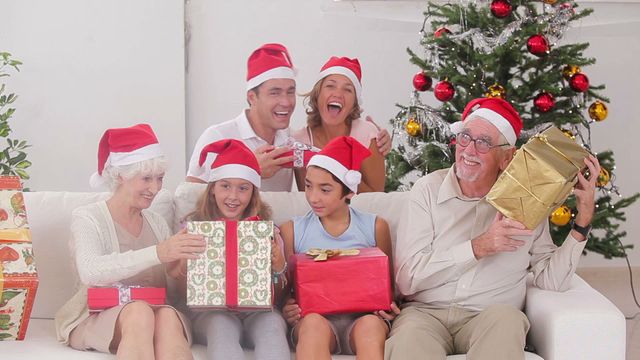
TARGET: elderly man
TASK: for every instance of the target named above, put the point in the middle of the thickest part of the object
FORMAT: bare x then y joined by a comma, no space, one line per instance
264,127
461,266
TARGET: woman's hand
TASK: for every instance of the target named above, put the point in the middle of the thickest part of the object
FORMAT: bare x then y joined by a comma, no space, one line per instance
181,246
177,269
389,315
291,312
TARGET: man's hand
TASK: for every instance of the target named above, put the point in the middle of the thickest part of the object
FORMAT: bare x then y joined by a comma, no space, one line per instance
585,192
291,312
268,160
180,246
499,237
383,138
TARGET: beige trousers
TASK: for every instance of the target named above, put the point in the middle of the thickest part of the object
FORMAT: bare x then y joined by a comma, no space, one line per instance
422,333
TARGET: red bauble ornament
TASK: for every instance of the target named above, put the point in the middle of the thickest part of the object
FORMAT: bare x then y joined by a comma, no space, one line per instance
579,82
422,81
444,91
501,8
441,31
544,102
537,45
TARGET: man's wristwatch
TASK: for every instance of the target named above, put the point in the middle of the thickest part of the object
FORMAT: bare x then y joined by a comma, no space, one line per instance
582,230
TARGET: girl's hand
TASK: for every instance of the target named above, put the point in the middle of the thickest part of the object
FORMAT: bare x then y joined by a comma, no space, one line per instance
277,253
181,246
390,315
291,312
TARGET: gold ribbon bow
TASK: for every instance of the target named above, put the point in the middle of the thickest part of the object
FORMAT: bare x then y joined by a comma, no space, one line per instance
325,254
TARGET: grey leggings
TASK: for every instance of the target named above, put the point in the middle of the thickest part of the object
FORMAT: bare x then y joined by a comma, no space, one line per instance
224,332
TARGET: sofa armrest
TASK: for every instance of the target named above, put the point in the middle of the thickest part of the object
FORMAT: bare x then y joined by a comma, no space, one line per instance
579,323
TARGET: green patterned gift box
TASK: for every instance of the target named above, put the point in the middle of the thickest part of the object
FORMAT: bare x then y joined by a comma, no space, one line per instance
235,270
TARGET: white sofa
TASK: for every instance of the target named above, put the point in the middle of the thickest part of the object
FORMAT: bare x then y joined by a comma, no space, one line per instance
577,324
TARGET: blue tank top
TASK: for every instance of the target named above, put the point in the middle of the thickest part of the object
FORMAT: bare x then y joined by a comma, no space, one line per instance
309,232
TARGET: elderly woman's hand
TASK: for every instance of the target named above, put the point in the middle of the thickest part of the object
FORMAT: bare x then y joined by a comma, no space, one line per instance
181,246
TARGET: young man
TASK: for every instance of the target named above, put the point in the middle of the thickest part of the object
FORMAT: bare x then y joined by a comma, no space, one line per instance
264,127
460,265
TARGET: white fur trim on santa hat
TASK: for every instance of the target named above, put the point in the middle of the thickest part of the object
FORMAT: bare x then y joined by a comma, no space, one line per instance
235,171
341,70
351,178
494,118
281,72
150,151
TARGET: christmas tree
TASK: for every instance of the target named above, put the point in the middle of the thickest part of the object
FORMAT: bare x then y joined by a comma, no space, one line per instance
508,49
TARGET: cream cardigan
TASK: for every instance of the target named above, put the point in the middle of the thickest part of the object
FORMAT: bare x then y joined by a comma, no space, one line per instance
98,260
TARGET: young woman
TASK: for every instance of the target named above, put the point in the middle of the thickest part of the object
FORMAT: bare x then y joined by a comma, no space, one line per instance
333,110
233,193
332,179
119,241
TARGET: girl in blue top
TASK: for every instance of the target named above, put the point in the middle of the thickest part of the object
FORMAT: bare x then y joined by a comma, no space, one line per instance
233,193
331,180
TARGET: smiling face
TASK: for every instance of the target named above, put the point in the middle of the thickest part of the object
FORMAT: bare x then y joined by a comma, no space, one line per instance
232,197
272,103
336,99
141,189
324,194
478,172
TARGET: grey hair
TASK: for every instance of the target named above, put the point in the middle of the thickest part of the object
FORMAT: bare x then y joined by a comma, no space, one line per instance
153,166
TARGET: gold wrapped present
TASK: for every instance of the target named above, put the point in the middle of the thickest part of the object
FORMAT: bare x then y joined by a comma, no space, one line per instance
539,178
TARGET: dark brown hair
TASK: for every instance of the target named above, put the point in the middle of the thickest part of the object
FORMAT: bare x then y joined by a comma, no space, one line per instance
345,190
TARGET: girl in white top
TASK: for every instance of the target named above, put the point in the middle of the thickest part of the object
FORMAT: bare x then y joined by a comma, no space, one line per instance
118,241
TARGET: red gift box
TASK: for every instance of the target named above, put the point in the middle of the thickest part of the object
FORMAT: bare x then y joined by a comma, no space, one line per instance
103,298
343,284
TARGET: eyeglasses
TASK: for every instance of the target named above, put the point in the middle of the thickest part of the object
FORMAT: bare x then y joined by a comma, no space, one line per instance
482,146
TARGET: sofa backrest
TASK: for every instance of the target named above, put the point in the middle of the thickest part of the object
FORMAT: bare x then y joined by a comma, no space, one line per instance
49,215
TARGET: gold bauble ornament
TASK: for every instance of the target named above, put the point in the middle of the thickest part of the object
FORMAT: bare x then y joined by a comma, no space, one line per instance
603,178
598,111
568,134
495,91
413,127
570,70
550,2
561,216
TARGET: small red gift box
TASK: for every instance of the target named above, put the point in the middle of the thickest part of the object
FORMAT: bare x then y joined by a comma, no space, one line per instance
100,299
343,284
302,154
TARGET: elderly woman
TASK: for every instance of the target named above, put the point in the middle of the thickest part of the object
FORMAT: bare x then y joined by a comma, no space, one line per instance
120,242
333,110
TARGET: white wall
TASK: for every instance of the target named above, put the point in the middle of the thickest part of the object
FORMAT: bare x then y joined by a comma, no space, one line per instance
90,65
223,34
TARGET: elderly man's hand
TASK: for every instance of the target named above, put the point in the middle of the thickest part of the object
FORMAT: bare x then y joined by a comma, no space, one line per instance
499,237
585,195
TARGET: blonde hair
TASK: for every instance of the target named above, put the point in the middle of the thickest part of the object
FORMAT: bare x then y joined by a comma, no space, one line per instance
313,113
207,209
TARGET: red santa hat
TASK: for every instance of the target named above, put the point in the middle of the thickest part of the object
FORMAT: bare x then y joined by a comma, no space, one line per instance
347,67
125,146
342,157
233,159
270,61
498,112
